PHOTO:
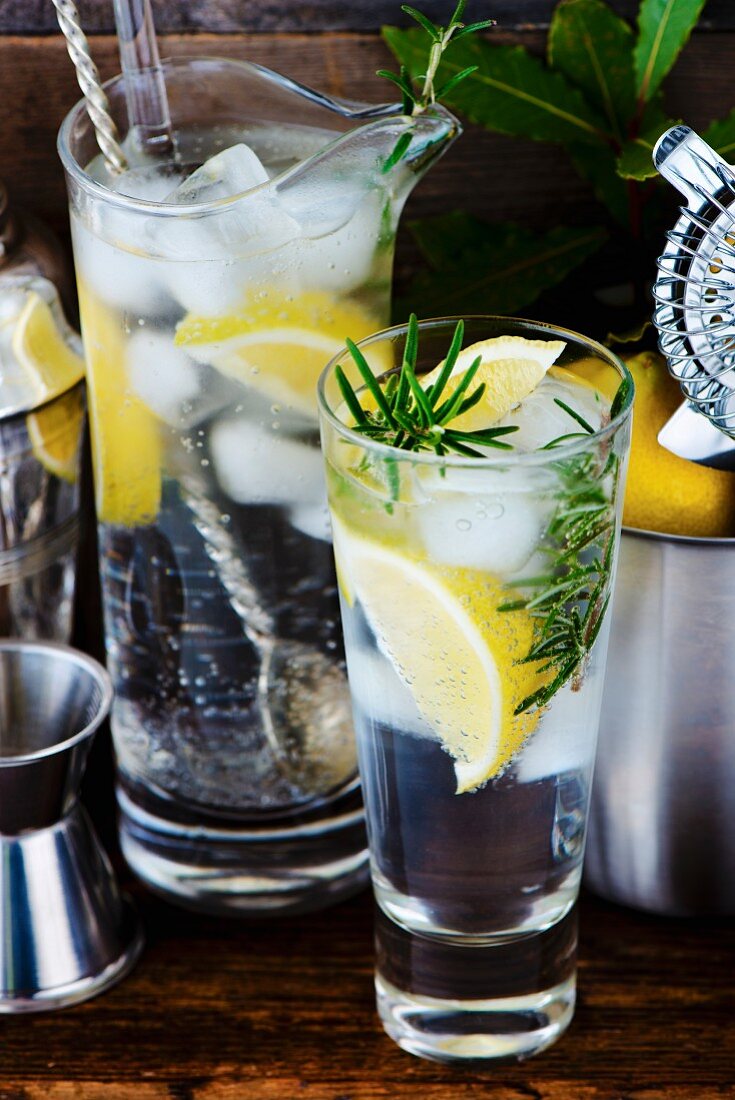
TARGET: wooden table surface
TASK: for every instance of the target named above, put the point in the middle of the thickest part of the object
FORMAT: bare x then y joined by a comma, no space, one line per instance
283,1010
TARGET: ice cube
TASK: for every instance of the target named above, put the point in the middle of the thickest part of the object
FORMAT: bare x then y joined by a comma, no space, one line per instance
257,466
563,740
123,279
213,257
540,419
149,182
496,533
12,299
378,691
228,173
342,260
162,375
312,520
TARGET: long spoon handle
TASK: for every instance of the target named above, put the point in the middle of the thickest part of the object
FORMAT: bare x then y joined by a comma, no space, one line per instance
98,105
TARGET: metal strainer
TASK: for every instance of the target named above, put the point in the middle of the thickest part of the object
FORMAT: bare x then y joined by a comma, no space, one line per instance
695,288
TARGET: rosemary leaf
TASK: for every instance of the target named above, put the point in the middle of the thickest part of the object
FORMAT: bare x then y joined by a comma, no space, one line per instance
574,415
445,373
399,149
472,400
620,397
471,437
448,410
453,81
562,439
419,396
433,31
350,396
370,381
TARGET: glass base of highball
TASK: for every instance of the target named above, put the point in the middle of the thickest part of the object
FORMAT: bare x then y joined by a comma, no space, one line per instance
464,1002
285,865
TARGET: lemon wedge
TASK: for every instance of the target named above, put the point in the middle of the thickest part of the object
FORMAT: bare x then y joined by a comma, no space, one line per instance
42,351
511,368
664,492
277,344
47,358
441,631
55,431
126,444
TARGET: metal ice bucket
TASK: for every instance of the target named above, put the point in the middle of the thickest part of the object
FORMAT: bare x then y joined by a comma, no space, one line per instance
662,821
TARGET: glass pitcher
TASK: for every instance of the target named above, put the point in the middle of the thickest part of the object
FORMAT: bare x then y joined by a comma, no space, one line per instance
210,302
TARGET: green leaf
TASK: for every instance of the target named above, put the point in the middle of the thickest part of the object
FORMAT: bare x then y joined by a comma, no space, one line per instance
598,165
431,29
483,267
593,47
632,335
721,136
663,28
511,92
635,160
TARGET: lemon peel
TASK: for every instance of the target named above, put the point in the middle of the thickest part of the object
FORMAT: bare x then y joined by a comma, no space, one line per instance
456,654
664,492
126,443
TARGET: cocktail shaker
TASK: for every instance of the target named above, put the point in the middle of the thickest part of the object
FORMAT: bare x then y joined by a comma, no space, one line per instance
662,819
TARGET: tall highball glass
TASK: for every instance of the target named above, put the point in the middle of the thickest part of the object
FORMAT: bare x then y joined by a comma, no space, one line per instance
475,596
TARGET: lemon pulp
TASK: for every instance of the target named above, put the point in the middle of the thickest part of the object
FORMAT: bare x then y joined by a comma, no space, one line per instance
55,433
41,350
277,344
458,656
511,368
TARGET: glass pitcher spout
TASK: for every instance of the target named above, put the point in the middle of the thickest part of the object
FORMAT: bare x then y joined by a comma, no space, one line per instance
364,158
383,158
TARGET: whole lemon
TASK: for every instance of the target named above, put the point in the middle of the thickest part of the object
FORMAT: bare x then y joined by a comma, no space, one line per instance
664,492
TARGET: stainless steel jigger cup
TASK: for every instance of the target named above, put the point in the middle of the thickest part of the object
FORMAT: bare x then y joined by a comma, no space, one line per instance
66,932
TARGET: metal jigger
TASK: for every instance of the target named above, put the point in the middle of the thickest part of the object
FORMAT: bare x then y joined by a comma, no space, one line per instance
66,932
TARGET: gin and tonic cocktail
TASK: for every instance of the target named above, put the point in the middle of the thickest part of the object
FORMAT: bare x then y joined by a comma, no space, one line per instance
214,285
475,509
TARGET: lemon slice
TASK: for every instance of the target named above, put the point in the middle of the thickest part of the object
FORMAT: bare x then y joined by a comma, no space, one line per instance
55,432
126,444
455,652
277,344
42,351
511,368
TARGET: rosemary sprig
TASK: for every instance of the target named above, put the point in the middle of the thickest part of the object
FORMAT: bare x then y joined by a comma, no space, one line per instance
408,416
569,602
417,97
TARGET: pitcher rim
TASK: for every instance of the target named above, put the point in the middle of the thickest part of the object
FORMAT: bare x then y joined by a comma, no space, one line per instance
366,115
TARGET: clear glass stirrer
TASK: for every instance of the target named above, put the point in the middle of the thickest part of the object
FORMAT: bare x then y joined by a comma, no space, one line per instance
145,88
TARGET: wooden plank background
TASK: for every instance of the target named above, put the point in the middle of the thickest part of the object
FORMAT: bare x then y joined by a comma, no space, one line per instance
494,176
226,16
